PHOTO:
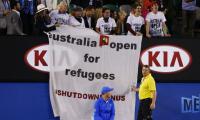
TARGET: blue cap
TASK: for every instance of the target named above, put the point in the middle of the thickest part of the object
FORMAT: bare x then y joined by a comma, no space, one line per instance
106,89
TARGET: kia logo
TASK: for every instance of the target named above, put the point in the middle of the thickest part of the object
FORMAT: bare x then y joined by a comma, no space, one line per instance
38,58
166,58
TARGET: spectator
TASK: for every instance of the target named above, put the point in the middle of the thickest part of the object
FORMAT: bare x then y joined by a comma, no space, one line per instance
4,11
146,6
89,18
14,23
43,21
155,23
189,15
76,19
106,25
60,16
28,9
121,23
135,21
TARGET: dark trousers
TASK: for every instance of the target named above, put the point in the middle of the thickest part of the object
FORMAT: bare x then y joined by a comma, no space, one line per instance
189,18
144,112
28,23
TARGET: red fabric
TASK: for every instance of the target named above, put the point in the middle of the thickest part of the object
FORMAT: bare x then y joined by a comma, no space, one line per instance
146,8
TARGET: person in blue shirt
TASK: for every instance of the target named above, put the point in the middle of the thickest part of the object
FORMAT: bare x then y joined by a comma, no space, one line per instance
104,106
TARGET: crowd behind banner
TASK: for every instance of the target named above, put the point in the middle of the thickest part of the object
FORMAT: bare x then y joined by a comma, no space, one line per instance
133,17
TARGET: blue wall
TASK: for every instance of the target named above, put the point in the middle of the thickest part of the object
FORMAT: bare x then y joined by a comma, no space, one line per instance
30,101
25,101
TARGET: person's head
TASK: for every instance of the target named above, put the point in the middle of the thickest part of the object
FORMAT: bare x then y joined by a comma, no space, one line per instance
62,7
77,12
41,10
137,9
145,70
106,12
15,5
89,11
106,92
154,7
122,15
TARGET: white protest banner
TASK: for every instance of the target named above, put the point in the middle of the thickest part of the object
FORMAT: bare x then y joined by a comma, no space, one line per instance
80,67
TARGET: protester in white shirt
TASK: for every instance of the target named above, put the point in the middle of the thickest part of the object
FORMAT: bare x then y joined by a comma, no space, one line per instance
135,21
155,23
60,16
106,25
76,19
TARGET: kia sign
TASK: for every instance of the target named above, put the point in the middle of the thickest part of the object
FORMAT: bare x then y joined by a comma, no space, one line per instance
38,58
24,57
162,59
166,58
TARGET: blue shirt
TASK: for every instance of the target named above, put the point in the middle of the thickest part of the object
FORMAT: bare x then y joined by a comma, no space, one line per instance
104,110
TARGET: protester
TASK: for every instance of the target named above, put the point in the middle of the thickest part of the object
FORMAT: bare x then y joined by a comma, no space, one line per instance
106,25
155,23
60,15
76,18
135,21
